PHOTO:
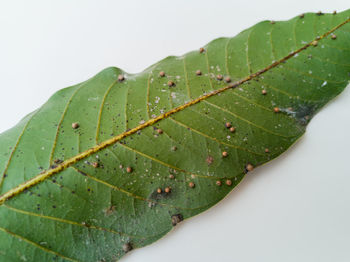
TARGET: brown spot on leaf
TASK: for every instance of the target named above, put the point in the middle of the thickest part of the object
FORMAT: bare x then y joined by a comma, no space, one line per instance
209,160
249,167
191,185
121,78
171,83
57,161
109,210
75,125
95,164
127,247
228,125
176,219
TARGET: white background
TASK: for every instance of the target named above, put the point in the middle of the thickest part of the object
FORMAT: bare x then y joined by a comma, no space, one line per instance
296,208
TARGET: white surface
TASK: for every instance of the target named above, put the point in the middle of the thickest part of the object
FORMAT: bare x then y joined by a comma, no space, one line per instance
295,208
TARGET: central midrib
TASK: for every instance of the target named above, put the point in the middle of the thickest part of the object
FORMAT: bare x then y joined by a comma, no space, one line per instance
69,162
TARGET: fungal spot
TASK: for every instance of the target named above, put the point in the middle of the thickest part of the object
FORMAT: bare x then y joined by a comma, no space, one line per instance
127,247
171,83
121,78
159,131
224,154
219,77
228,182
151,204
228,125
171,176
174,148
198,72
167,190
159,190
85,224
314,43
218,183
57,161
75,125
267,150
334,37
232,85
209,160
302,15
232,129
95,164
276,110
109,210
129,169
191,185
161,73
176,219
264,92
227,79
249,167
201,50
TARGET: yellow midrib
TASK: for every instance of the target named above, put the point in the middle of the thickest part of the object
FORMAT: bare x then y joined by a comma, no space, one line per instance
69,162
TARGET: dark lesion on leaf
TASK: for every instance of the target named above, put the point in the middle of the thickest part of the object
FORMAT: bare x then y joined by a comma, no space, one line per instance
176,219
109,210
127,247
304,112
209,160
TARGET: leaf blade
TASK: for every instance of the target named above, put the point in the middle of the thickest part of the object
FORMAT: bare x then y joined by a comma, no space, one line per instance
193,147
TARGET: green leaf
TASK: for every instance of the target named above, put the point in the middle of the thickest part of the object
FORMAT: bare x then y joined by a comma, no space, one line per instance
113,164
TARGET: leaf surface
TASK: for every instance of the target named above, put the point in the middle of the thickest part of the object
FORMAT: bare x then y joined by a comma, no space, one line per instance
113,164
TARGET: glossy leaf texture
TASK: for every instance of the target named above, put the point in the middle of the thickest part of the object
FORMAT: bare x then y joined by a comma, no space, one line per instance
102,168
